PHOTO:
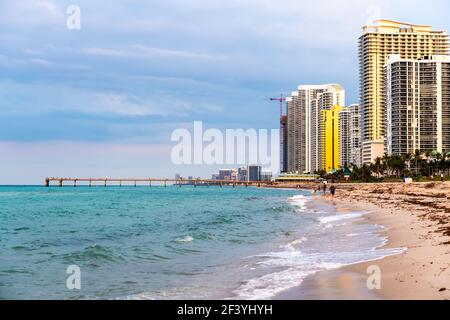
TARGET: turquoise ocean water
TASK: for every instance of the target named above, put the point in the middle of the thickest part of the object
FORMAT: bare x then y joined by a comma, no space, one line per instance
172,243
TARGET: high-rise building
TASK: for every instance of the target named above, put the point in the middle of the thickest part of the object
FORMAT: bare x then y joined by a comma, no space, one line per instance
303,124
316,155
377,42
284,144
293,132
344,137
324,101
355,134
417,104
330,138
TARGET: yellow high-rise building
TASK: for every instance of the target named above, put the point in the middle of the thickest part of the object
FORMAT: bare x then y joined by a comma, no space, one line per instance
378,41
329,129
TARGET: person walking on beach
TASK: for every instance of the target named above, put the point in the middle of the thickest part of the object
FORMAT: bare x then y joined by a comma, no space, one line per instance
442,177
332,191
324,188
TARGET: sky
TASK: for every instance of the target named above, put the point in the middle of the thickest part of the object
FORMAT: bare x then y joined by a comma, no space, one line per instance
103,100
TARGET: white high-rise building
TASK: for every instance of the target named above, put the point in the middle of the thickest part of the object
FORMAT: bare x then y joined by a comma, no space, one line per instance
417,102
344,138
355,135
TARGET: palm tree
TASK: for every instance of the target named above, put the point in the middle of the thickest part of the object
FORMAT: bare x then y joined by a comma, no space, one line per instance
377,167
447,156
408,159
386,163
428,157
417,157
397,164
365,173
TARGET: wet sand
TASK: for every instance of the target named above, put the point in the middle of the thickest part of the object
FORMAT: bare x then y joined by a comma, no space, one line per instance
339,284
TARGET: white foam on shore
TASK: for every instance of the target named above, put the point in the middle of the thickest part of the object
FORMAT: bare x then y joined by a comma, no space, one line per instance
291,245
299,266
269,285
357,234
329,219
299,201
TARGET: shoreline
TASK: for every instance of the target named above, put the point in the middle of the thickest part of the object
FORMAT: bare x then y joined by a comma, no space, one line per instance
415,217
422,271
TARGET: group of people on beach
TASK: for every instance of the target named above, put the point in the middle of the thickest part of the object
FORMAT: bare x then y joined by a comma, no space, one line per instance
323,187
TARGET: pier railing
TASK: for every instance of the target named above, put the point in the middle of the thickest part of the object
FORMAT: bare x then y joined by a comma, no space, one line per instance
139,181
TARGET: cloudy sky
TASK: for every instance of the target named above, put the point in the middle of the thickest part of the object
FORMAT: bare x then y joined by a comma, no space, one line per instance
103,100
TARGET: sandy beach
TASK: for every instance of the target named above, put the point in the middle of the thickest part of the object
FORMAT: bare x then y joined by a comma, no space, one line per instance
416,217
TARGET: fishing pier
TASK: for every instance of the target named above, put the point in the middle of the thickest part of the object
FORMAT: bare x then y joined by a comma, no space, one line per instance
74,182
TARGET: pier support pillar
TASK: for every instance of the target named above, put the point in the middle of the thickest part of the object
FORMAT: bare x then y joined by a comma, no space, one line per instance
47,182
135,184
105,184
60,182
165,183
75,183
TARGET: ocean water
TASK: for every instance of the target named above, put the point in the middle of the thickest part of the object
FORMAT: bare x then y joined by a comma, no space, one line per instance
173,243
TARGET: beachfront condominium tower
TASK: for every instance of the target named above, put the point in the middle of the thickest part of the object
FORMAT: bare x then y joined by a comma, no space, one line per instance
303,124
329,122
375,45
283,145
417,103
355,134
344,137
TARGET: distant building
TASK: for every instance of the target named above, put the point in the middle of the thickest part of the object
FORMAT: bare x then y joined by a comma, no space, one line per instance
266,175
330,138
234,175
417,104
254,173
215,177
243,174
375,45
225,174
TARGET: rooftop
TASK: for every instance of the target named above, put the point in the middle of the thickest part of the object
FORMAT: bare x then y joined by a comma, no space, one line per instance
390,26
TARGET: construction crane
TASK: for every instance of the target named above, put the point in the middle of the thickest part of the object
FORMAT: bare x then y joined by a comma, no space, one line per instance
281,99
283,147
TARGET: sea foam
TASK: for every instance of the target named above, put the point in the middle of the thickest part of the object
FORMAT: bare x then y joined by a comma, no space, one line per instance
339,217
